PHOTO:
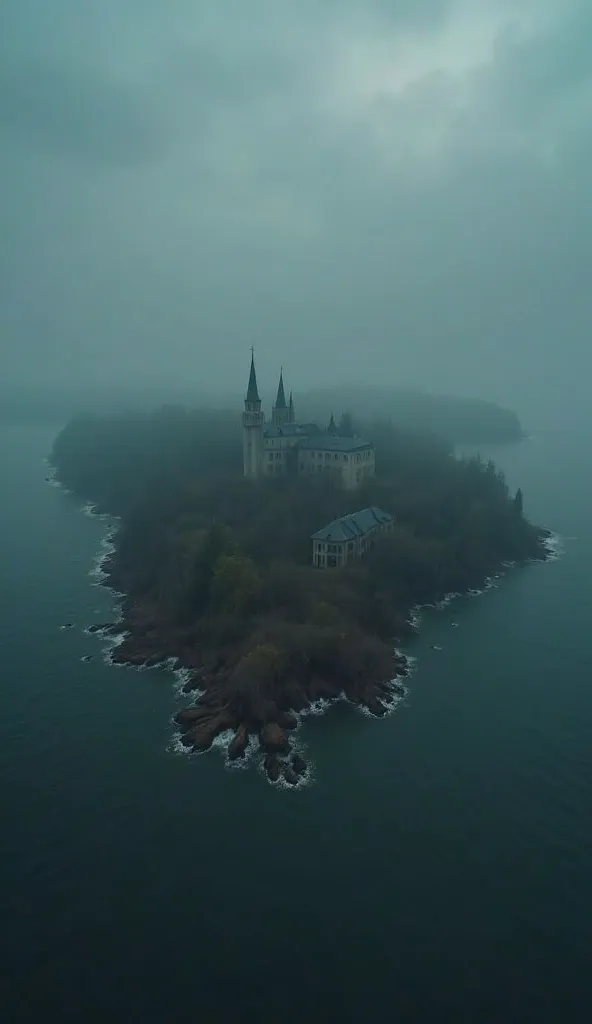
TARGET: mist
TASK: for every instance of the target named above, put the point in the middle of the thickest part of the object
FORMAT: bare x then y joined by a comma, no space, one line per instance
367,192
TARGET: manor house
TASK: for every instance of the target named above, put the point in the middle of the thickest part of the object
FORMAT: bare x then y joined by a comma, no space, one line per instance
284,445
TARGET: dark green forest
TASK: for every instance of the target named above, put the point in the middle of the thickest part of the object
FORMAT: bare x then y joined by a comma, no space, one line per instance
217,569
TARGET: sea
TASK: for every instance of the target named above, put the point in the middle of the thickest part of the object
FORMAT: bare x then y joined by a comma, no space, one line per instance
436,867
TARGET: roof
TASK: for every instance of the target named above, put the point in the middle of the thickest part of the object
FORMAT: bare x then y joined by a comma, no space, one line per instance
358,524
252,391
303,430
280,402
333,443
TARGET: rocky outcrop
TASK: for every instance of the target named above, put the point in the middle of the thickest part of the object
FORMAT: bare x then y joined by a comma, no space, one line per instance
206,730
272,767
238,744
269,714
290,775
376,707
273,739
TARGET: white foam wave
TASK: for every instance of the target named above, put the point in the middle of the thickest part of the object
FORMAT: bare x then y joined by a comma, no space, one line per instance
554,545
181,676
114,641
176,746
390,702
415,616
446,600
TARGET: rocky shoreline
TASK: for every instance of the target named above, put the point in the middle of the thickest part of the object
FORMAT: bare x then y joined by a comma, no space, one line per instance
217,708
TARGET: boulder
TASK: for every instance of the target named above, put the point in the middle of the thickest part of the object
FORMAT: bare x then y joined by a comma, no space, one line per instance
189,715
376,707
290,776
273,738
206,731
299,764
238,744
272,767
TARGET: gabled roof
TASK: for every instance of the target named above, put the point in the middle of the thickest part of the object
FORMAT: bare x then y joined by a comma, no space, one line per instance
357,524
333,443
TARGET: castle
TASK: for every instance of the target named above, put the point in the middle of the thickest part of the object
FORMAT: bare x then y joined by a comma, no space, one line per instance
283,445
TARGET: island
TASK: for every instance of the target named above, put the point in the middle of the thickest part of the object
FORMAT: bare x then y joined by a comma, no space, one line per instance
280,581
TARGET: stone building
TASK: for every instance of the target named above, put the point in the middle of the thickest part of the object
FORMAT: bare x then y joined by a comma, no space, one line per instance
285,445
349,537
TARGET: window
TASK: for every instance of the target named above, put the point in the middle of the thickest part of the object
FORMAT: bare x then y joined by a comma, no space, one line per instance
327,456
345,458
270,456
336,455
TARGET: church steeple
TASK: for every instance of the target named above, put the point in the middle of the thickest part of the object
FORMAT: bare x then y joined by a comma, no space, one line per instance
252,390
280,414
252,427
280,402
291,408
332,429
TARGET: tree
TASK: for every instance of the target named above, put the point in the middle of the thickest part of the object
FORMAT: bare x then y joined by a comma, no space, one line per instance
235,584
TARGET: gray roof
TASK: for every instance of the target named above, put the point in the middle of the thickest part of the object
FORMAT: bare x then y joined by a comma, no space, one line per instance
332,443
252,392
303,430
280,402
358,524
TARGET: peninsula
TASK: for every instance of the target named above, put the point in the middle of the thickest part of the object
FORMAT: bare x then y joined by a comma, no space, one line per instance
288,574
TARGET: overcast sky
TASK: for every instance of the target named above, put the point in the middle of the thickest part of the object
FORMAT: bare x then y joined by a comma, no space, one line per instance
388,190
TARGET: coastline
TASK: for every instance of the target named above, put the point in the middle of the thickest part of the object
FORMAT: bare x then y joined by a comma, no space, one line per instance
280,757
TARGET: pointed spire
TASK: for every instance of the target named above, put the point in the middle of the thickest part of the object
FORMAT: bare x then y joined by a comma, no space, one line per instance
280,402
252,390
291,408
332,428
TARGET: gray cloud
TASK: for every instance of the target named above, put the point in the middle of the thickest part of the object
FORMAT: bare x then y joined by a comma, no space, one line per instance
378,190
76,110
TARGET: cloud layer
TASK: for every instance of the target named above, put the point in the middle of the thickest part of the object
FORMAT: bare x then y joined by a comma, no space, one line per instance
364,190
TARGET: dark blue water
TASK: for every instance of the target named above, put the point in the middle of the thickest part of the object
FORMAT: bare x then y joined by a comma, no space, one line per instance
440,867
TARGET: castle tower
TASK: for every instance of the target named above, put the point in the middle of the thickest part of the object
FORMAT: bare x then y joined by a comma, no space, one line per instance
280,413
252,427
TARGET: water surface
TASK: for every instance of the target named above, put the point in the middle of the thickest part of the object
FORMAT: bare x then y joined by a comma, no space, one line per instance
439,868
